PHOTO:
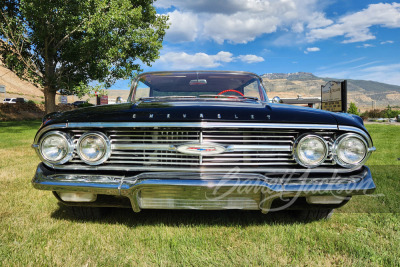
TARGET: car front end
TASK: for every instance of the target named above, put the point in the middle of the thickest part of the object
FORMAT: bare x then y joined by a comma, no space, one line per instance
203,140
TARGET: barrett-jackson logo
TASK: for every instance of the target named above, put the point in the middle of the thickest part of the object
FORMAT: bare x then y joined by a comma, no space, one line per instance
201,116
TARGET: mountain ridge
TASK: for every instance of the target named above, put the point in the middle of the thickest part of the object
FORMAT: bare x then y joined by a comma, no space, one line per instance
362,92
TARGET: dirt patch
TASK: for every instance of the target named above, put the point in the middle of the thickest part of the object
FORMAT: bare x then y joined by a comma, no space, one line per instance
26,111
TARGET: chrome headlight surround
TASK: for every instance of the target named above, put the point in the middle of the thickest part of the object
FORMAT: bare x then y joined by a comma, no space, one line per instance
297,145
342,162
106,143
69,148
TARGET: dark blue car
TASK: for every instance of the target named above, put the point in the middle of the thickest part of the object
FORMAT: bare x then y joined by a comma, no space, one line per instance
208,140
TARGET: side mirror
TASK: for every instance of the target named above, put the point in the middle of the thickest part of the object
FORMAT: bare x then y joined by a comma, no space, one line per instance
118,100
276,99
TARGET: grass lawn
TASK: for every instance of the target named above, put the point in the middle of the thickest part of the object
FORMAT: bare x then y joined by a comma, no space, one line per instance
35,230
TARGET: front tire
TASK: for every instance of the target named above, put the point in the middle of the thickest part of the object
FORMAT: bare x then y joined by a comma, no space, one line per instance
315,214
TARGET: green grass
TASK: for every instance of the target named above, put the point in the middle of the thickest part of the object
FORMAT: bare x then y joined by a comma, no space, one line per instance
35,230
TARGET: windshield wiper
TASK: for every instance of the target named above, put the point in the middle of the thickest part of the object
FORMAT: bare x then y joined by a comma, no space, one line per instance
166,97
230,96
200,96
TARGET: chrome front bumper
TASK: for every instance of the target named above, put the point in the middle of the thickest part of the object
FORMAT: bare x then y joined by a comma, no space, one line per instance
207,191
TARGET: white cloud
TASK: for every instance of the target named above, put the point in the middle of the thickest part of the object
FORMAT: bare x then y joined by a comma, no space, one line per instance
183,27
311,49
341,63
387,42
389,73
364,65
240,21
250,58
184,61
365,46
318,20
356,27
238,28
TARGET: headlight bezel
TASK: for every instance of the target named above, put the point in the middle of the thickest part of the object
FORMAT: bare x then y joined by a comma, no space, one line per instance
70,148
107,145
335,148
298,143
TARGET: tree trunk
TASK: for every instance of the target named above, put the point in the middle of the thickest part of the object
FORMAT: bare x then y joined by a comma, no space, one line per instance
49,99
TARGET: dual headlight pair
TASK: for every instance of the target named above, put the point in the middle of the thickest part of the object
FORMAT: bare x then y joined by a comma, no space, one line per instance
310,150
349,150
57,147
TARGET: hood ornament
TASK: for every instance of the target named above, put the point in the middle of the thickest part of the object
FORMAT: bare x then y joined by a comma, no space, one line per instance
203,149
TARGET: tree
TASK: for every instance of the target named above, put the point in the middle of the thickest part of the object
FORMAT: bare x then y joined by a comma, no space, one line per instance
353,109
65,44
388,112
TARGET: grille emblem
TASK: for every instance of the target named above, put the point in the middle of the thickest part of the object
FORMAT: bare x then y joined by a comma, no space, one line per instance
201,149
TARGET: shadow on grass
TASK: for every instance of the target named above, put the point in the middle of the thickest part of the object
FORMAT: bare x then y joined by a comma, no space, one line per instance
183,217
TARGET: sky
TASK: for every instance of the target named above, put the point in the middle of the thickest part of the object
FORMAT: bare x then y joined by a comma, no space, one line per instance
341,39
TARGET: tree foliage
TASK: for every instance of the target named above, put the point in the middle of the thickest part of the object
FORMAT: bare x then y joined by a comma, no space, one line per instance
83,89
353,109
65,44
388,112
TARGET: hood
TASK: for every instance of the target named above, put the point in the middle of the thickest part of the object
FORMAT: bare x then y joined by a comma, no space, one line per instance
194,111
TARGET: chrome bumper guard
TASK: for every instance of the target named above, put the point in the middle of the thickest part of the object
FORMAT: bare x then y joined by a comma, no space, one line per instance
207,191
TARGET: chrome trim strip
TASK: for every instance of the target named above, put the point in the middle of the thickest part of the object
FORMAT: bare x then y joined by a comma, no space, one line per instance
143,167
205,125
235,148
142,147
231,148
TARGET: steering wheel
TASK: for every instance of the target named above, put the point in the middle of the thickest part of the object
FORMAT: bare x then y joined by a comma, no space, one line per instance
231,90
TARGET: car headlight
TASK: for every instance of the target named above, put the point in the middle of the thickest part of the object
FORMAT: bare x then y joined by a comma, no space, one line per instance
350,150
55,147
310,150
94,148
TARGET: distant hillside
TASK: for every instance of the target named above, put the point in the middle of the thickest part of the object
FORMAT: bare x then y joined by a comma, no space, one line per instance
16,87
282,84
291,76
307,84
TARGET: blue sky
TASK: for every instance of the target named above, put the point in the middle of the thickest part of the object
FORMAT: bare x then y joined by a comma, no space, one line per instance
333,38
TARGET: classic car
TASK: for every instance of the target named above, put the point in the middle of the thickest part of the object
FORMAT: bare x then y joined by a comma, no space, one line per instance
208,140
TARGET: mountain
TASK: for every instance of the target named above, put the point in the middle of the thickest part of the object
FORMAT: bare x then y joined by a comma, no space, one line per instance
362,92
16,87
291,76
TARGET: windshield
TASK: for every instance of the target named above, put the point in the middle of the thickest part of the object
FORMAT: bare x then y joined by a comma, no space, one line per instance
187,85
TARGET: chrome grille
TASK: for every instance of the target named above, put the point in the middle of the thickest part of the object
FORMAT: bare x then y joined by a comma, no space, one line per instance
142,148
